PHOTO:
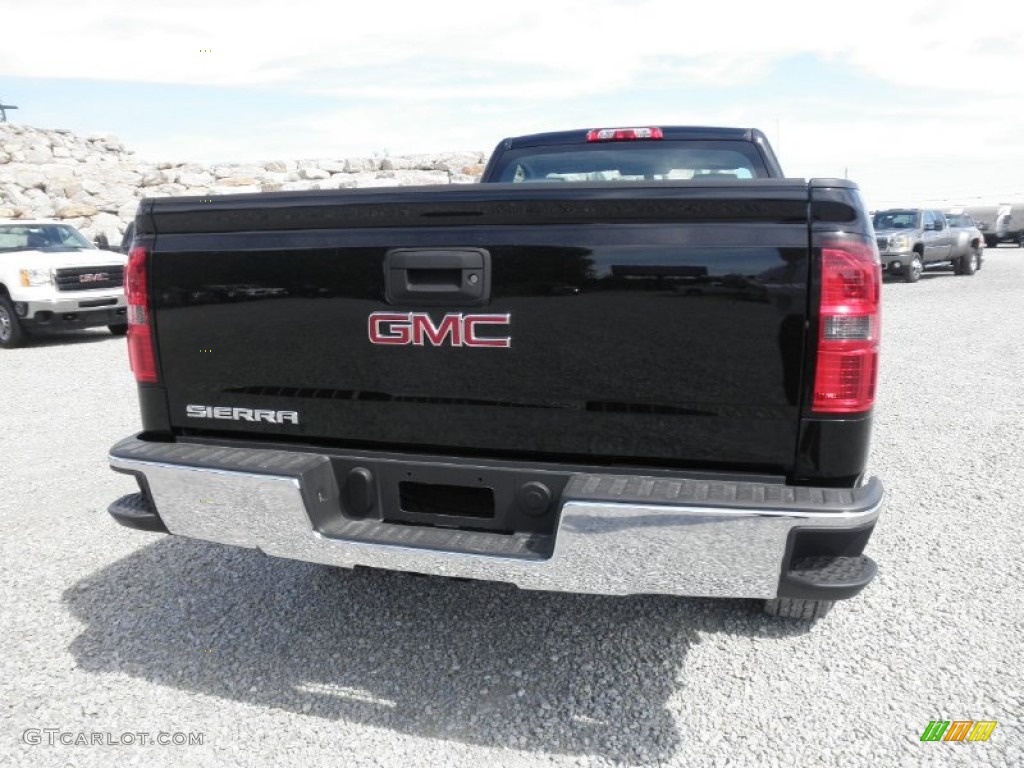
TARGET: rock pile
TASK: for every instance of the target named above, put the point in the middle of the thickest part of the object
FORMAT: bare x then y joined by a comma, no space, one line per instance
95,184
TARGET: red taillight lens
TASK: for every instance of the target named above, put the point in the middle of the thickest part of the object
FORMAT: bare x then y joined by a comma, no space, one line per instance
624,134
140,331
851,288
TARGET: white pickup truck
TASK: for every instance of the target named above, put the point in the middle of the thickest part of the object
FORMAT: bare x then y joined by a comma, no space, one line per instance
51,276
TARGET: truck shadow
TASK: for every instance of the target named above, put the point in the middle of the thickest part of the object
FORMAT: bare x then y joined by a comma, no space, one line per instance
474,662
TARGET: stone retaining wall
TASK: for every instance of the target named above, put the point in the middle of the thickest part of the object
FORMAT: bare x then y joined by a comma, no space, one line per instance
95,183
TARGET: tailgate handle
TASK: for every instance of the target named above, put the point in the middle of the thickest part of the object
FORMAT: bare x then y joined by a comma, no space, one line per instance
437,277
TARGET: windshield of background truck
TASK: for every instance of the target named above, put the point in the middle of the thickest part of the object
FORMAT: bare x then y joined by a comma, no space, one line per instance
42,237
654,161
896,220
959,220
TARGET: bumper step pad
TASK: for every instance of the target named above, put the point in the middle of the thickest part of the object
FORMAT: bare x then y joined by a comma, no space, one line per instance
827,578
136,511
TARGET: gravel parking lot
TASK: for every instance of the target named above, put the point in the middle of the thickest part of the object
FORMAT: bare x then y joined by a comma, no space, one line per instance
269,662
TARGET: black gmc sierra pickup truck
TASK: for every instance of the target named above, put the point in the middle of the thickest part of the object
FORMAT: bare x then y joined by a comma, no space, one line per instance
632,361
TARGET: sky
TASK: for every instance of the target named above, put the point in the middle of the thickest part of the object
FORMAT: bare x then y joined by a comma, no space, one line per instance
918,102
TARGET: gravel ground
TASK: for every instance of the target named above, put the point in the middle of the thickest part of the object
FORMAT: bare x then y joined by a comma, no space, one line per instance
111,631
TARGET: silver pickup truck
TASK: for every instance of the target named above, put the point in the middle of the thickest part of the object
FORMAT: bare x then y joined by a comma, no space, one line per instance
911,238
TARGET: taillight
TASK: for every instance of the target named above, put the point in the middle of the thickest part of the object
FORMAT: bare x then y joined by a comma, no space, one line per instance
624,134
140,329
851,288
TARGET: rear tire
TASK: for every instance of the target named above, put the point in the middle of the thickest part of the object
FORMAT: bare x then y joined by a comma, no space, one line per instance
11,333
991,241
793,608
969,263
118,330
912,271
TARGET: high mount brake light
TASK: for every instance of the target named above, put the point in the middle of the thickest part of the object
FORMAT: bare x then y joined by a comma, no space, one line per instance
624,134
140,329
847,368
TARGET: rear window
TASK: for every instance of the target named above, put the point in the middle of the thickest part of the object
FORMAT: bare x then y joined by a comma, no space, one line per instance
653,161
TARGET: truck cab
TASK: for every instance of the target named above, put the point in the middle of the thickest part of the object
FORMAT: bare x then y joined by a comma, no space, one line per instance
670,153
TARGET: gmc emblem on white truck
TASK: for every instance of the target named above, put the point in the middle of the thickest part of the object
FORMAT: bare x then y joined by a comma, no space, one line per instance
94,277
416,328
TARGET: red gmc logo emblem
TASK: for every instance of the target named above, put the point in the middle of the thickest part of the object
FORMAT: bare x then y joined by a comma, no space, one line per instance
96,277
416,328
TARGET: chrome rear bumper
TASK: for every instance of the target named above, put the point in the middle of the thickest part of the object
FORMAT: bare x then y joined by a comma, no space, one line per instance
615,534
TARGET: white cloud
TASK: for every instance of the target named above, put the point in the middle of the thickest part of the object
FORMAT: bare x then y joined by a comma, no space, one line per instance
587,46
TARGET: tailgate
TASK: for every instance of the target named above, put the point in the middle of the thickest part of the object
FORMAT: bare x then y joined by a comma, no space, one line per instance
644,324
